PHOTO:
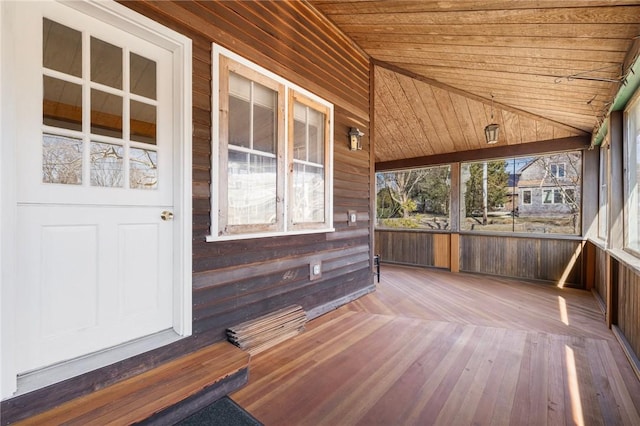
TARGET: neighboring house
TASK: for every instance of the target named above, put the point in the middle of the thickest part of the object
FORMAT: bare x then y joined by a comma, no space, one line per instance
170,169
550,185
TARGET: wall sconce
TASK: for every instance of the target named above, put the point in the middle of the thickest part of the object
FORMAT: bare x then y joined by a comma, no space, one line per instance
492,130
355,139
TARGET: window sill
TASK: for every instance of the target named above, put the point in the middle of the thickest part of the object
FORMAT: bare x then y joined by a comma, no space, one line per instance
215,238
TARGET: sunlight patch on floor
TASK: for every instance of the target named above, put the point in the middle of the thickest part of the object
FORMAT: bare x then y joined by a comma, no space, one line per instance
574,387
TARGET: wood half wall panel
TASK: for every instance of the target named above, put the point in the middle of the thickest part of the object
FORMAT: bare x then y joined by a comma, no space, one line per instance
547,259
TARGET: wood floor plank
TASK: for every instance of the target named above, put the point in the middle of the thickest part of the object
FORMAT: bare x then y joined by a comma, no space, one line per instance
431,347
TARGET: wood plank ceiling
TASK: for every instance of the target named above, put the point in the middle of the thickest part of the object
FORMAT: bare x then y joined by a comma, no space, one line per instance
553,68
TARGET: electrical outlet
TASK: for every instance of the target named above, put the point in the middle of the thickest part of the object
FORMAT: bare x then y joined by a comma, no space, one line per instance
315,270
352,217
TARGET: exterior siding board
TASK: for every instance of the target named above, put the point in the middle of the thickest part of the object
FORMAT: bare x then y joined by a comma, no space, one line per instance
239,280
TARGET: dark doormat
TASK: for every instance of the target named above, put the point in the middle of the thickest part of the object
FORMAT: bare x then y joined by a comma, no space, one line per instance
223,412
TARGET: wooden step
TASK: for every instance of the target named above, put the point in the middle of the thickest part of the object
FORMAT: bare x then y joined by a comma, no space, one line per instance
151,393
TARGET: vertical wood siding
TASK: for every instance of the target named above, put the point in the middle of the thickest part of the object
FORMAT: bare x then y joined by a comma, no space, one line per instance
627,305
413,248
558,261
238,280
600,272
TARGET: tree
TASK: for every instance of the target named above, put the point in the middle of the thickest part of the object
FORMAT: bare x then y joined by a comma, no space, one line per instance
401,187
497,180
434,191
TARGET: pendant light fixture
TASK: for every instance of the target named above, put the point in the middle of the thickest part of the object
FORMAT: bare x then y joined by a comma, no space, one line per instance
492,130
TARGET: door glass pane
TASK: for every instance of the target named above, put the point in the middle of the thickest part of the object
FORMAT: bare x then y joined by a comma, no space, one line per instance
62,104
143,122
106,114
142,76
143,169
107,165
106,63
252,189
61,160
308,194
62,48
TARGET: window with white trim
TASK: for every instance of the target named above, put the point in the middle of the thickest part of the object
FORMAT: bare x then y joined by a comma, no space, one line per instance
557,169
272,162
526,196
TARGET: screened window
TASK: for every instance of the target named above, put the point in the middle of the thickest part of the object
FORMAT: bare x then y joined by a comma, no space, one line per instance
632,179
537,194
415,198
272,166
603,194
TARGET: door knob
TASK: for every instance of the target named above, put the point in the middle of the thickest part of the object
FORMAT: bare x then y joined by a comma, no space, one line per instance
166,215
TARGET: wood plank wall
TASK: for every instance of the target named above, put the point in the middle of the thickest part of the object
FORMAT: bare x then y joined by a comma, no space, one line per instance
618,286
547,259
555,260
600,275
627,305
414,248
239,280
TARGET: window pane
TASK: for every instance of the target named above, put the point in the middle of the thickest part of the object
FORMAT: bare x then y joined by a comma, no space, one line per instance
555,182
416,198
143,169
107,165
143,122
308,196
557,196
62,104
633,167
251,189
61,160
299,132
106,63
308,133
603,195
316,136
239,111
106,114
142,76
264,119
62,48
526,197
485,196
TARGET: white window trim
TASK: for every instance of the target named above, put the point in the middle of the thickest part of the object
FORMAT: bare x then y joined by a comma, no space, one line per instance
216,52
558,166
138,25
530,197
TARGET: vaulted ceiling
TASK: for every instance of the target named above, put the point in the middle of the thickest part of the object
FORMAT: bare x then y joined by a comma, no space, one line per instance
552,67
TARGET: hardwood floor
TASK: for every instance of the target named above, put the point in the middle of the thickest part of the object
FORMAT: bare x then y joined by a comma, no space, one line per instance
431,347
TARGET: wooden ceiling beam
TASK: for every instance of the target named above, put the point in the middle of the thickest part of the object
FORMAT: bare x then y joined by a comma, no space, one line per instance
554,145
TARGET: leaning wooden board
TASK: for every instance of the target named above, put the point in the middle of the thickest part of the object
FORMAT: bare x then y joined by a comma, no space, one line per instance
261,333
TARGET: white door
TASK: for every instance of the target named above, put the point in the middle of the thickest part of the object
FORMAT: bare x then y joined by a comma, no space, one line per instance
95,186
